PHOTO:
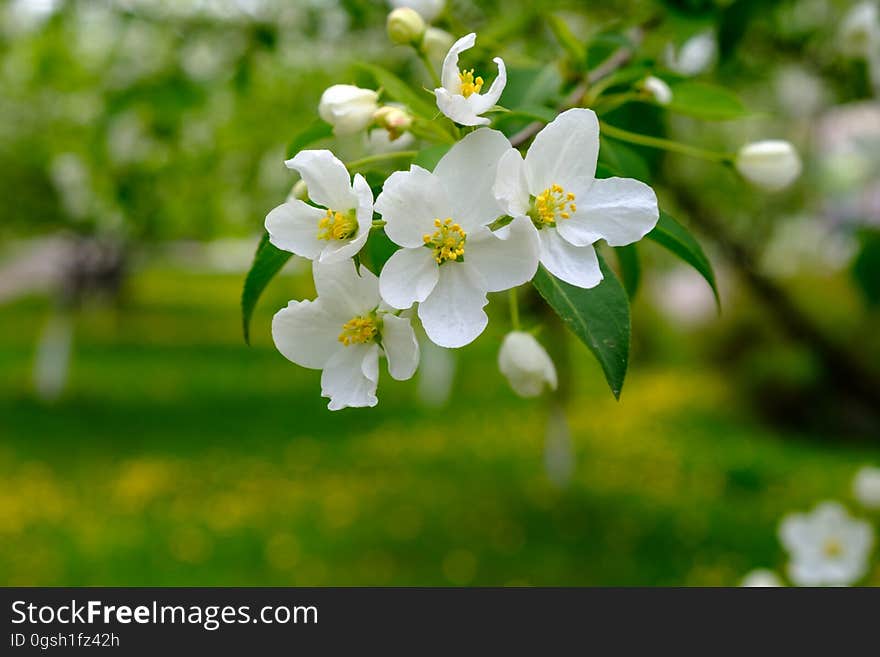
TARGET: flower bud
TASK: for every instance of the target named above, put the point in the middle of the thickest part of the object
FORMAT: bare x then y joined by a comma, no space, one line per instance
771,165
657,89
347,108
395,120
761,578
860,30
525,364
300,191
427,9
405,27
436,44
866,487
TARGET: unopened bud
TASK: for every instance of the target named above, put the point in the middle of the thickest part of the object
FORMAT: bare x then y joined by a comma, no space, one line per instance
657,89
300,191
347,108
405,27
526,365
395,120
427,9
771,165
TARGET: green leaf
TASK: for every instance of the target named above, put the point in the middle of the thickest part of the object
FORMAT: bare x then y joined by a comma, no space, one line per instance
671,235
314,132
630,268
402,92
705,101
380,248
623,160
566,38
866,267
268,261
599,317
430,156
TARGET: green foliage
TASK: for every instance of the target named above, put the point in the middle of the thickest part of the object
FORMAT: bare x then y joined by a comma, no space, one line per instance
630,268
314,132
418,102
866,267
268,261
705,101
598,316
676,238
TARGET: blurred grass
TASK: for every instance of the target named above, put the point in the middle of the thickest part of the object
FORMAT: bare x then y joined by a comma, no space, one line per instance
181,457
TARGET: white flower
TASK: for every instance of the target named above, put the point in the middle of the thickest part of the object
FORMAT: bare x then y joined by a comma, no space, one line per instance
866,487
427,9
526,364
556,188
450,259
459,98
761,578
695,56
771,165
860,30
826,547
343,332
347,108
332,233
657,89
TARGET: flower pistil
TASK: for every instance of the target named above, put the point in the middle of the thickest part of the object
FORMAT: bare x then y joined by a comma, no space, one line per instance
360,330
337,225
447,241
551,205
469,85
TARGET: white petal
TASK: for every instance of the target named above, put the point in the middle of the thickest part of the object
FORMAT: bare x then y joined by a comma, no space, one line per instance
460,109
511,188
452,315
489,99
350,377
345,290
565,153
507,259
326,178
619,210
410,275
449,75
410,202
577,265
401,347
293,226
468,172
338,250
306,333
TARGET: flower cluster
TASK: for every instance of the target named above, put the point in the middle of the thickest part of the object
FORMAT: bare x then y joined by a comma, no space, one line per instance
481,221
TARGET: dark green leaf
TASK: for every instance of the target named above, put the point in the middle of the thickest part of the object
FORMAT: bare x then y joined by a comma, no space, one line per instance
380,249
314,132
599,317
866,267
630,268
623,160
671,235
705,101
268,261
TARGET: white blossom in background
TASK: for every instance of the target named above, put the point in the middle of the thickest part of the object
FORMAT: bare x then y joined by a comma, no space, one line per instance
332,233
657,89
771,165
52,361
427,9
459,98
826,547
559,461
761,578
436,43
344,332
570,209
866,487
436,375
450,258
379,141
347,108
526,364
695,56
860,30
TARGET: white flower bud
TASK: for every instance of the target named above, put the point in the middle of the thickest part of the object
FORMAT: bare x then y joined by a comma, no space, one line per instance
436,43
860,30
394,119
525,364
696,56
866,487
427,9
347,108
761,578
405,27
300,191
771,165
657,89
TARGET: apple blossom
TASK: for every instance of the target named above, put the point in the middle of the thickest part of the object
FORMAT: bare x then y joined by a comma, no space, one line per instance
569,208
860,30
866,487
526,364
827,547
332,233
347,108
450,258
459,98
344,332
771,165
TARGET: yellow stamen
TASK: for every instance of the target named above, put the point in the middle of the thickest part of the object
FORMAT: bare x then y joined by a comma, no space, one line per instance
359,330
447,241
832,548
337,225
469,85
551,205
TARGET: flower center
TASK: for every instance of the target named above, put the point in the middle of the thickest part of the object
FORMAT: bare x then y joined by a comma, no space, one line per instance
832,548
447,241
469,85
337,225
551,205
359,330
